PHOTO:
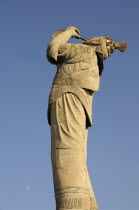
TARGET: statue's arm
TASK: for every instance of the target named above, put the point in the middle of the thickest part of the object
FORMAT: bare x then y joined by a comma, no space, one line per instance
106,46
63,37
103,47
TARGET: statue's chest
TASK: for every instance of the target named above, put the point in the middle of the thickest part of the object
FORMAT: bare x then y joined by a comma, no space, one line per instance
72,50
79,58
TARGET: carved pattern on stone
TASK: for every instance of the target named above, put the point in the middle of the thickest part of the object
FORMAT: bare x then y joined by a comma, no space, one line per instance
69,203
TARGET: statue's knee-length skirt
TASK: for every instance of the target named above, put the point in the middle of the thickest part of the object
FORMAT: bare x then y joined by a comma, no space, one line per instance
72,185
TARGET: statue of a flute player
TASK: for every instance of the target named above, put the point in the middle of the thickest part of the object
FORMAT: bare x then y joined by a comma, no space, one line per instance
79,67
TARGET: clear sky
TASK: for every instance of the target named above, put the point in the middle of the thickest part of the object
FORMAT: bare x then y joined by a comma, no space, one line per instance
25,82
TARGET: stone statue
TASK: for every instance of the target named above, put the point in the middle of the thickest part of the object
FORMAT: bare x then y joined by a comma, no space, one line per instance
79,67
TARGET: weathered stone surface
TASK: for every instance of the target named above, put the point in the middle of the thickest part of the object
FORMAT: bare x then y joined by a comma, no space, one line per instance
79,67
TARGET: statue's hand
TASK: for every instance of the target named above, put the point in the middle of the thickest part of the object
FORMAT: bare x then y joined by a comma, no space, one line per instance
74,32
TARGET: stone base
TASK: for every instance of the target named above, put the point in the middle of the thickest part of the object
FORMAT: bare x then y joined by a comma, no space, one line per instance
75,200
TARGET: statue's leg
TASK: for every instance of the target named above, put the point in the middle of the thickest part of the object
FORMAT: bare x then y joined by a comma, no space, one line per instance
72,185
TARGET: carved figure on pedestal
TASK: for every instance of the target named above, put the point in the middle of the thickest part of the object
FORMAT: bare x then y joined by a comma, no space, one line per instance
79,67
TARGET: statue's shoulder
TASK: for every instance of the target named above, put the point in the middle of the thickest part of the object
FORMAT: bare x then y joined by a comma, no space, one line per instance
81,48
73,47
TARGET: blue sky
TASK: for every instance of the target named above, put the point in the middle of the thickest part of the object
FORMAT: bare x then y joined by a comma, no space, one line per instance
25,83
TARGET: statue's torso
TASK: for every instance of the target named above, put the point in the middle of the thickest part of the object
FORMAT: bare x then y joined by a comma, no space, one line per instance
78,67
77,71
